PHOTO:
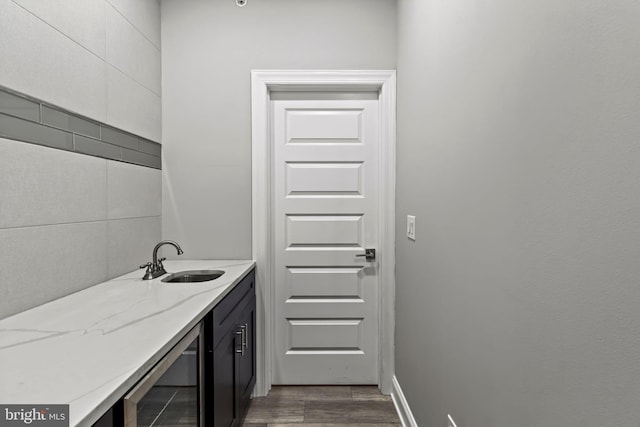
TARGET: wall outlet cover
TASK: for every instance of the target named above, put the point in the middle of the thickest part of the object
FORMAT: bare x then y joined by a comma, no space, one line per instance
411,227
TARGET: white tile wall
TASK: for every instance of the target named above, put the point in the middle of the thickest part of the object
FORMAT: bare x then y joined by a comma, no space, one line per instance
43,263
54,228
80,20
131,52
130,243
40,185
68,221
61,52
144,15
40,61
144,114
133,191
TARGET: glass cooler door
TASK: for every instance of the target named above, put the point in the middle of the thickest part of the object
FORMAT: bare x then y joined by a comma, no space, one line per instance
170,394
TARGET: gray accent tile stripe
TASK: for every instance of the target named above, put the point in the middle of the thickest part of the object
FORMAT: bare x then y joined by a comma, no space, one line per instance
25,118
150,148
69,122
19,107
139,158
97,148
120,138
25,130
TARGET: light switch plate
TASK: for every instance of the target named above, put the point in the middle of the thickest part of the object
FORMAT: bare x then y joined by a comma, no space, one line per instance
411,227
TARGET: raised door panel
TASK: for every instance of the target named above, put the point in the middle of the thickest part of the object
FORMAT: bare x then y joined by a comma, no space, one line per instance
306,283
314,179
323,124
324,230
325,335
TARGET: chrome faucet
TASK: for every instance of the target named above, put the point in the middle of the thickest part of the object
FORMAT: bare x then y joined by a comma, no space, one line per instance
155,268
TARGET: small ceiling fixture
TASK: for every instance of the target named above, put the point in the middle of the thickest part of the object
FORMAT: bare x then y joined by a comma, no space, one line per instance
241,3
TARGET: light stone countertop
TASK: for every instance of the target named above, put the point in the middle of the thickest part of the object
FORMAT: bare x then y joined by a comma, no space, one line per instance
89,348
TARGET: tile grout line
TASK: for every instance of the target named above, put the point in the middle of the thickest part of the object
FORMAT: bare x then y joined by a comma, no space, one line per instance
88,221
60,32
133,25
104,60
142,85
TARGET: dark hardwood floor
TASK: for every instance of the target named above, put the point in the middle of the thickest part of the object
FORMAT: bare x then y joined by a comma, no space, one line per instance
322,406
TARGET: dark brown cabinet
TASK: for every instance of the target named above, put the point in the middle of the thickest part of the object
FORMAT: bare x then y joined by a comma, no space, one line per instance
230,359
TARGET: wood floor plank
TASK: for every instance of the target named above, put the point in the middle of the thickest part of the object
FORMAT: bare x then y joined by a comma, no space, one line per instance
367,392
374,412
283,391
267,410
323,406
327,393
312,392
327,412
350,412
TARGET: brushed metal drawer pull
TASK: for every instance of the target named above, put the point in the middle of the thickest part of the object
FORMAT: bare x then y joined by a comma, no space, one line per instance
244,335
240,334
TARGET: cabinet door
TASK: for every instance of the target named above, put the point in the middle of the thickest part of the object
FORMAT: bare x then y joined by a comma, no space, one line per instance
246,361
223,400
230,330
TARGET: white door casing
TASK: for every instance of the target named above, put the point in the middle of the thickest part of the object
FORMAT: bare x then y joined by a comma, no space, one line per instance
325,202
264,83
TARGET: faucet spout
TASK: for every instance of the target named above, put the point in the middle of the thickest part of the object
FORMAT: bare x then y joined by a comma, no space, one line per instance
159,245
155,268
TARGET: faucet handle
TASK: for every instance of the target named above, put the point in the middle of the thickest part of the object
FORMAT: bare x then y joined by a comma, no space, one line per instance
147,274
162,259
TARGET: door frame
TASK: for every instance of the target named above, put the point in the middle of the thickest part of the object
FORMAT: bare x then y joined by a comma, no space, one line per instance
263,82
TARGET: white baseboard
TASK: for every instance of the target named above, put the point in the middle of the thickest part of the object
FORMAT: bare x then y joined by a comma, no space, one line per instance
402,407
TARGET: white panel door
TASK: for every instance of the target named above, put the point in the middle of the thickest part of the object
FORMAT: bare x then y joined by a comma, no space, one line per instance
325,155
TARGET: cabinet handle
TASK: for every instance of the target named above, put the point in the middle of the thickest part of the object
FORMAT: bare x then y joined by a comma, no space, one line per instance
244,335
240,334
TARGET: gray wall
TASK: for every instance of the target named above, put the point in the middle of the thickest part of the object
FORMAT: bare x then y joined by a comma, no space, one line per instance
67,220
208,51
518,152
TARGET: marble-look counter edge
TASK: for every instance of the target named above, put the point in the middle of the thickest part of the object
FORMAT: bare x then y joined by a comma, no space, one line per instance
153,299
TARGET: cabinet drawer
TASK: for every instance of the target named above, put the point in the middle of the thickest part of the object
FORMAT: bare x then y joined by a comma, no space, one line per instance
225,313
